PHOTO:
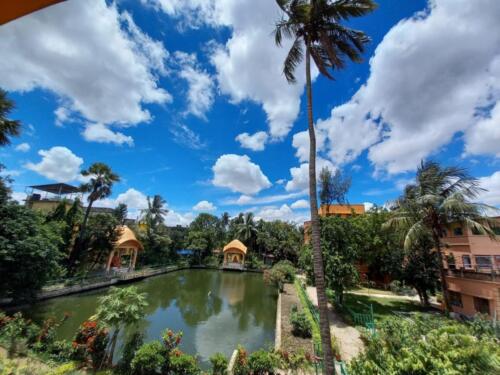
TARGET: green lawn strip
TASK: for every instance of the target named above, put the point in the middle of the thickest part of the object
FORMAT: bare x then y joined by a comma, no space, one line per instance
305,305
382,307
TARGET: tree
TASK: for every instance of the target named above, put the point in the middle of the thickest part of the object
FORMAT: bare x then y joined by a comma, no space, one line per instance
439,197
334,187
247,230
121,307
29,251
102,233
205,234
101,180
340,243
120,213
154,214
326,193
8,128
315,25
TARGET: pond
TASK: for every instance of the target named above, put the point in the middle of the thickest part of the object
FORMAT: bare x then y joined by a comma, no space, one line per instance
215,310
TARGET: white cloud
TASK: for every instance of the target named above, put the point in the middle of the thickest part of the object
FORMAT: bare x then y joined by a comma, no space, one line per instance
58,164
492,185
255,142
300,174
283,213
175,218
301,203
249,65
133,199
245,200
102,134
368,206
184,136
204,206
484,136
239,174
23,147
99,63
430,79
301,143
200,95
19,196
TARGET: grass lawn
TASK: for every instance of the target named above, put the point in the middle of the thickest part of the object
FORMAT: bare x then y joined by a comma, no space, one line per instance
374,291
382,307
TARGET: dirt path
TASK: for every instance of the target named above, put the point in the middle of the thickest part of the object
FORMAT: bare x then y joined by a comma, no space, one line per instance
348,337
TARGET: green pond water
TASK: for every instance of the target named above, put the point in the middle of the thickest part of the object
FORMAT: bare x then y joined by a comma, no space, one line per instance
215,310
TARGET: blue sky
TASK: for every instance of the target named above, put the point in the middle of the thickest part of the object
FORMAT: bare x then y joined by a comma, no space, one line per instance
186,99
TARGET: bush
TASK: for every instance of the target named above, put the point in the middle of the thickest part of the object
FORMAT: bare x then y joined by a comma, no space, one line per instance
90,344
219,364
281,273
149,359
262,362
241,362
301,327
182,364
427,345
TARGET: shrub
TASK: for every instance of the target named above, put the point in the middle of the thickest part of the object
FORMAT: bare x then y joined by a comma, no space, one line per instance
281,273
149,359
219,364
90,343
262,362
182,364
60,351
301,326
241,362
132,345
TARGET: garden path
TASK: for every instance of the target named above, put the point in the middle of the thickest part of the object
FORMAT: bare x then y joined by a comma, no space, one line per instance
348,337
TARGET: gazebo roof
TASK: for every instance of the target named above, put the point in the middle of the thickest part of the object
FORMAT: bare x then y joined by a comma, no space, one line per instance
127,237
235,244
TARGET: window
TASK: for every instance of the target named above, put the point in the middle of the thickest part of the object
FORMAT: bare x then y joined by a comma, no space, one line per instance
483,261
457,231
455,299
466,261
482,305
451,261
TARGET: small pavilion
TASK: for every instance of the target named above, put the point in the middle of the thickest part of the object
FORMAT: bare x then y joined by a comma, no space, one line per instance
234,255
126,246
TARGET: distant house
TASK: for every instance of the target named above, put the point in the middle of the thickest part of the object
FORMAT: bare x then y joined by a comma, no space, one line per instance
46,198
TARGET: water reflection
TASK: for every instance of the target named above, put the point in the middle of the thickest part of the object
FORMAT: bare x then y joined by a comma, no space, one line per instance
215,310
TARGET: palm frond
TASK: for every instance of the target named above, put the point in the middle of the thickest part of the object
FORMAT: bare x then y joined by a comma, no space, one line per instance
414,234
321,62
480,228
346,9
294,57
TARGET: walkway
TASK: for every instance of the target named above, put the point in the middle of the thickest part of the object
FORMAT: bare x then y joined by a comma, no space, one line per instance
348,337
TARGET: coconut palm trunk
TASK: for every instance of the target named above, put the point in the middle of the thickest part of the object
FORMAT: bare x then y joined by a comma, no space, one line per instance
319,273
442,272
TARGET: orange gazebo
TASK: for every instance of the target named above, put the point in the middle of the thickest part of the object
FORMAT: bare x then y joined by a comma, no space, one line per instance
234,255
127,245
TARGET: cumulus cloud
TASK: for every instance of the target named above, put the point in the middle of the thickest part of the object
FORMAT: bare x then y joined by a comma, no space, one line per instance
283,213
58,163
301,203
103,134
300,174
174,218
254,142
492,185
204,206
248,65
92,56
133,199
239,174
246,200
200,96
300,141
430,79
23,147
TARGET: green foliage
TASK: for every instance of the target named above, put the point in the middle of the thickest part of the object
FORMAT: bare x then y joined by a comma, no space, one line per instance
121,306
182,364
99,239
333,187
149,359
241,363
219,364
427,345
301,326
90,344
124,366
8,127
29,251
120,213
304,301
280,239
401,289
204,235
340,244
281,273
262,362
482,326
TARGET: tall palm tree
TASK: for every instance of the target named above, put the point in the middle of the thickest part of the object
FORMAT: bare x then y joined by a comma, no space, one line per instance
440,196
101,180
247,230
156,210
8,128
316,26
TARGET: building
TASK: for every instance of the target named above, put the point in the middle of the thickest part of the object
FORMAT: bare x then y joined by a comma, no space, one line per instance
46,198
473,271
341,210
234,255
124,254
